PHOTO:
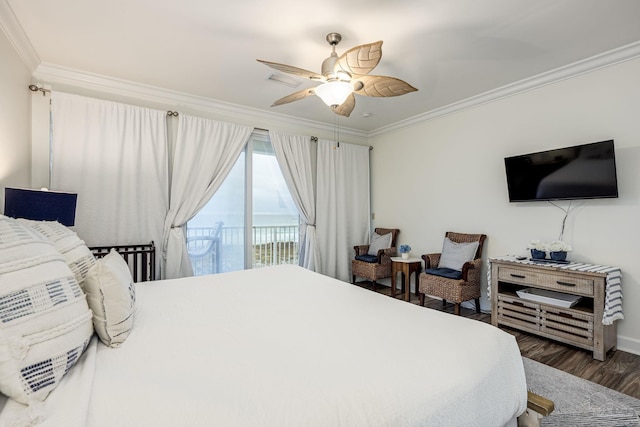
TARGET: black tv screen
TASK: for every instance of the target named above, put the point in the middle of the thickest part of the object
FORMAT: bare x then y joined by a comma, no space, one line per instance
585,171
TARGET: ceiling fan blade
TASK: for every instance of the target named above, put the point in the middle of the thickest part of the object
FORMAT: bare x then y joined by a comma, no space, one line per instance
346,107
360,59
382,86
296,96
300,72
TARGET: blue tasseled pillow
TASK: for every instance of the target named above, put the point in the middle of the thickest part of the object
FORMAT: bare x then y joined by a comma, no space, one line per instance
449,273
368,258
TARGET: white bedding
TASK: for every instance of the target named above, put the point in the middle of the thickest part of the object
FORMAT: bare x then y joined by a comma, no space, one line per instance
282,346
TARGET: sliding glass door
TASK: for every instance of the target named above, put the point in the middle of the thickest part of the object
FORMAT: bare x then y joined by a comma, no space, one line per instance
251,221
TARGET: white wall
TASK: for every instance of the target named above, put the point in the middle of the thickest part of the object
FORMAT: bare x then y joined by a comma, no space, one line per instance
15,123
448,174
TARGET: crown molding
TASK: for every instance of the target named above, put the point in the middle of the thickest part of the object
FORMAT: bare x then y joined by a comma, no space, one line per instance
54,75
51,74
606,59
17,37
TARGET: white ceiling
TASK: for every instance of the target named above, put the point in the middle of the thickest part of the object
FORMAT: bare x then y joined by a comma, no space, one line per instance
450,50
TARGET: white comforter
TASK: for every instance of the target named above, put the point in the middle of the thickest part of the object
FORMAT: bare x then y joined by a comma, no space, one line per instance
282,346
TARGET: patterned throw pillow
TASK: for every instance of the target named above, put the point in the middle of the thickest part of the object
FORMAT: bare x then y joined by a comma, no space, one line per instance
45,323
111,294
77,255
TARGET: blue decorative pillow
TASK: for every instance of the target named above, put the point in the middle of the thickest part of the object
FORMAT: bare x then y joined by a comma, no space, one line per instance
449,273
368,258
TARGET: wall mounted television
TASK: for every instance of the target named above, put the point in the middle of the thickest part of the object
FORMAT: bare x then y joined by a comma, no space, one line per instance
586,171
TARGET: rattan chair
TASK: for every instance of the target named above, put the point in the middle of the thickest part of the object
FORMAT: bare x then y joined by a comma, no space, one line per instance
454,290
381,266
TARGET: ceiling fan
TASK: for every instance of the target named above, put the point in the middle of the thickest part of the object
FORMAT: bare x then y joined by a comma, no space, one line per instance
344,76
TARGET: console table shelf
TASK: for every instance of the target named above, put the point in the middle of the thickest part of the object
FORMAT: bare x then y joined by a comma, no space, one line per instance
580,325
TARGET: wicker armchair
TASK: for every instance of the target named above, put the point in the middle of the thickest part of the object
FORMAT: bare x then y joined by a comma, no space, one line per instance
454,290
379,269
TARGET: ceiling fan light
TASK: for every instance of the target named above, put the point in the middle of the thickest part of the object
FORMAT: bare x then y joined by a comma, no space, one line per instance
343,76
334,93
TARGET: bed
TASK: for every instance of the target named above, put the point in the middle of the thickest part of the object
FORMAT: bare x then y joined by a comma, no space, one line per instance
283,346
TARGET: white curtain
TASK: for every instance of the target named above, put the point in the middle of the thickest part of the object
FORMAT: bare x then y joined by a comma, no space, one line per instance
342,205
115,157
294,154
206,150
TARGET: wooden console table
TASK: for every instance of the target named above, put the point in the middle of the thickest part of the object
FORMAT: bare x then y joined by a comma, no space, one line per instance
580,325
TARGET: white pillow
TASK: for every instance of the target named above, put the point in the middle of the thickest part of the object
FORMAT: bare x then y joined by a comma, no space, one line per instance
379,242
45,323
77,255
111,294
454,255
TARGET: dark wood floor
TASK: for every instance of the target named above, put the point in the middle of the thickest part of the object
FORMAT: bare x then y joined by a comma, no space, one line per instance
621,370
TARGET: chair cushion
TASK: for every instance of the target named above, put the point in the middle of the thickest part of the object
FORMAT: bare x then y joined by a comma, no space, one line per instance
449,273
368,258
454,255
379,242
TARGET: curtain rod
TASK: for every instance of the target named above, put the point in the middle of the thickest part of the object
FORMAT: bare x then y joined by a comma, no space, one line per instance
36,88
315,139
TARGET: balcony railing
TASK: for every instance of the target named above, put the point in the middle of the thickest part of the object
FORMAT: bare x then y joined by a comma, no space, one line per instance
220,248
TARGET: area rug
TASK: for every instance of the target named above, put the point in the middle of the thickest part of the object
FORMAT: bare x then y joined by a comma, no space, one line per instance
580,402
